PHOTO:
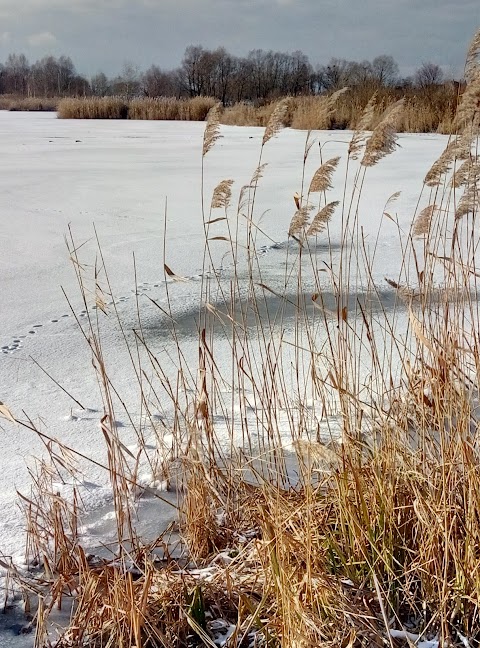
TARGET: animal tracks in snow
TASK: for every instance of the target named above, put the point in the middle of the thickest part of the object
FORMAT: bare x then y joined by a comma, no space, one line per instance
18,342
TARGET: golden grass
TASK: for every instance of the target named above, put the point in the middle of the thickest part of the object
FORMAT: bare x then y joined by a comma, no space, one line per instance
195,109
93,108
34,104
375,531
424,111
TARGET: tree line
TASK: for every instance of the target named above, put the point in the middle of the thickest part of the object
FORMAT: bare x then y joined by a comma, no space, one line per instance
258,77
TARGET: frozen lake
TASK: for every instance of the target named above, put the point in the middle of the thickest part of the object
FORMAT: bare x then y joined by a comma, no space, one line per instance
122,178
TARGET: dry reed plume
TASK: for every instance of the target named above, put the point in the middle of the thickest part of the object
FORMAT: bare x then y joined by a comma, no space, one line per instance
322,179
354,520
277,120
222,195
421,225
383,139
212,130
365,123
300,220
472,63
322,218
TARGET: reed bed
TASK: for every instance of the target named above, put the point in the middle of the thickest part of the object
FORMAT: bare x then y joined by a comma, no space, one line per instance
29,104
372,538
195,109
425,111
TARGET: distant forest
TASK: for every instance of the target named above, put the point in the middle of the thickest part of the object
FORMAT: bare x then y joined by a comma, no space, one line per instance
262,76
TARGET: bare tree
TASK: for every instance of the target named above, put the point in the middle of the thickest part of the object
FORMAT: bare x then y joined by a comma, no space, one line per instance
100,85
336,74
16,72
128,83
159,83
191,73
241,85
428,74
361,74
385,70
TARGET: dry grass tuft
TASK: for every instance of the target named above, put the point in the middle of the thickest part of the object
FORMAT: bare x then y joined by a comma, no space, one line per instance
328,465
171,109
93,108
163,108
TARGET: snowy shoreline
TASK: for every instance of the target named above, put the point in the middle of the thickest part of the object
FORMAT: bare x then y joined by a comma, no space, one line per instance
57,175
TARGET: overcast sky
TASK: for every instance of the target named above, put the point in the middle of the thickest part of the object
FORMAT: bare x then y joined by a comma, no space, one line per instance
103,34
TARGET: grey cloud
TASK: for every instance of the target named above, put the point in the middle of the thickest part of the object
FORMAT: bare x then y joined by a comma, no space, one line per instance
41,39
102,34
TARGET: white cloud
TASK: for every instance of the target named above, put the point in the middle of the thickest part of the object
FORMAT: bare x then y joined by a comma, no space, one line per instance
4,38
41,39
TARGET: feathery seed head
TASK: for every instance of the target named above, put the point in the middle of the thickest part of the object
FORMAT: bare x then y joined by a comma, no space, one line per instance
212,129
322,218
468,111
472,63
469,171
258,173
365,124
422,223
322,178
222,195
327,105
457,148
383,140
470,201
299,220
277,120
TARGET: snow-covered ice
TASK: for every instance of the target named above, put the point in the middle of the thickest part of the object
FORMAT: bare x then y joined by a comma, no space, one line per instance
122,177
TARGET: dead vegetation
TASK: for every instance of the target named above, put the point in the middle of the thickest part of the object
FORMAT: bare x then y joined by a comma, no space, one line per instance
424,112
28,104
353,522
